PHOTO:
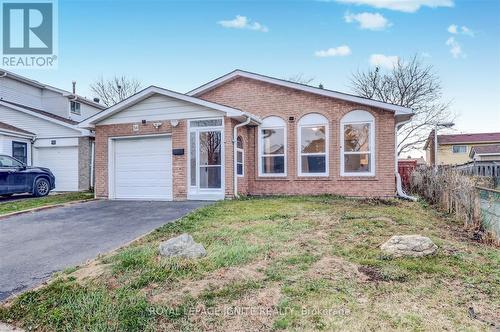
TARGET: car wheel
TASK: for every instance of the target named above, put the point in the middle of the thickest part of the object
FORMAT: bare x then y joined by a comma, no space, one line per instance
42,187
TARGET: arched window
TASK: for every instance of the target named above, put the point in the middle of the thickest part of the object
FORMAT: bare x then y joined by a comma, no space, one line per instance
272,147
313,145
357,130
240,157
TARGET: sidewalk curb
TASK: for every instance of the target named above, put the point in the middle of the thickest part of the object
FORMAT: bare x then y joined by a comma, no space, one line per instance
40,208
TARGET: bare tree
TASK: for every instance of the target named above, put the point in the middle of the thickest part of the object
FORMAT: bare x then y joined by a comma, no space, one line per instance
301,79
115,89
410,84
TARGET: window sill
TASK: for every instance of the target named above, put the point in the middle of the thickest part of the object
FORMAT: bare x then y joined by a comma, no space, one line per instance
272,178
357,178
313,178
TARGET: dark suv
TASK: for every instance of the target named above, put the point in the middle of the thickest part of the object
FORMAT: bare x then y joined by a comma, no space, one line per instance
17,178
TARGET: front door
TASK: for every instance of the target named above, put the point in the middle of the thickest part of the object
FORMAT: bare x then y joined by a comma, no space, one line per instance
206,162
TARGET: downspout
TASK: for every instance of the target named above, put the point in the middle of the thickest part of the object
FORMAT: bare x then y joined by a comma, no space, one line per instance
235,155
399,188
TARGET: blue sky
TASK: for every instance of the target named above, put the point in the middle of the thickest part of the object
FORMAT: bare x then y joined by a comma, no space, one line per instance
182,44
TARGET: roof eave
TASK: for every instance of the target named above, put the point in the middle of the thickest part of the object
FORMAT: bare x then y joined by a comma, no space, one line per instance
324,92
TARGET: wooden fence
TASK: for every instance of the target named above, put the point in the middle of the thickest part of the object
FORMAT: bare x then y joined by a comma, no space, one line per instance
460,195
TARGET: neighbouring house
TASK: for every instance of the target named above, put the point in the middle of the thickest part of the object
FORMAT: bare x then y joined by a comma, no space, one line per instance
39,126
245,133
485,153
455,149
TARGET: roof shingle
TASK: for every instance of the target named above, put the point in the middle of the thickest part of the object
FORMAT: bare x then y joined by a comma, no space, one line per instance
15,129
469,138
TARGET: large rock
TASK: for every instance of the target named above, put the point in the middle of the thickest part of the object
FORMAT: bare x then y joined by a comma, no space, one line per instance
409,246
182,246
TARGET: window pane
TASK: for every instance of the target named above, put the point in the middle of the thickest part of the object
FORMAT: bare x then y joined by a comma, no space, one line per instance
8,162
206,123
312,139
210,148
459,149
239,156
354,163
273,165
239,142
273,141
19,151
192,148
239,169
210,177
313,164
357,137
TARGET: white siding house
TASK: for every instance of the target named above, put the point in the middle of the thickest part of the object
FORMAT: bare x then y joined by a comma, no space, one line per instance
39,126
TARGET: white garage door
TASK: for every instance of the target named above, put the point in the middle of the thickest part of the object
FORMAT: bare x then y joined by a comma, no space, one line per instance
63,162
143,168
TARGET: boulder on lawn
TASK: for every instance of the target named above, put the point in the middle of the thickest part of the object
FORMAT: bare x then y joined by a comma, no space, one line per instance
182,246
409,246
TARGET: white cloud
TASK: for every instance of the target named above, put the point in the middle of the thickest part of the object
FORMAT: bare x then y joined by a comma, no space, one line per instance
242,22
455,48
343,50
467,31
385,61
425,54
408,6
371,21
453,29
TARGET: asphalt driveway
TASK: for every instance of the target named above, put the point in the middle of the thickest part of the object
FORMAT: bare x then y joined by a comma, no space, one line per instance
35,245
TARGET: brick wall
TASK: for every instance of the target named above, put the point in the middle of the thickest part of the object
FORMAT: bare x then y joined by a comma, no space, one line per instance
179,163
84,161
264,99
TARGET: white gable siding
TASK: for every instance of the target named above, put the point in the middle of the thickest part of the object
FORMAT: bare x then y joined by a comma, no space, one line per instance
157,108
40,127
6,145
20,93
55,103
86,112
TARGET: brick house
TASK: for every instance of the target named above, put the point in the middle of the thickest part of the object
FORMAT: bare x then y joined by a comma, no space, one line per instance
245,134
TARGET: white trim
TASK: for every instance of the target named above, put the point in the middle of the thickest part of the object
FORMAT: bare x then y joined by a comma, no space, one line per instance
13,133
358,117
399,110
111,161
326,154
272,124
152,90
195,192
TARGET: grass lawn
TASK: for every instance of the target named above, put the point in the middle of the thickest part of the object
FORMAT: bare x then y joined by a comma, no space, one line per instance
284,263
35,202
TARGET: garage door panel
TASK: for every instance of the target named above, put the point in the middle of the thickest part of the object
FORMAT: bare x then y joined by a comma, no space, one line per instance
63,162
143,168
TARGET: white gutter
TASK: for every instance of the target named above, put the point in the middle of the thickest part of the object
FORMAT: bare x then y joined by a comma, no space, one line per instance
235,155
399,188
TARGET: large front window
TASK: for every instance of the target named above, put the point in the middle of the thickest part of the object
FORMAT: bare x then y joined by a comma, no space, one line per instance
313,145
357,144
272,147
